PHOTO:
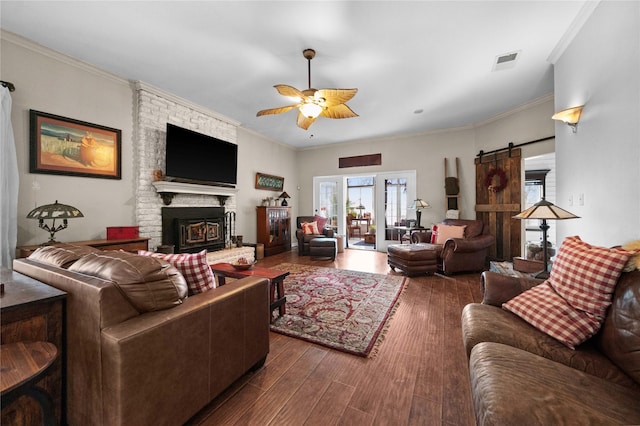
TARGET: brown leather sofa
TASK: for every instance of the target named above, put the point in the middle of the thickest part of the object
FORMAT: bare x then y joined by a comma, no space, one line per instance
519,375
468,254
159,361
304,240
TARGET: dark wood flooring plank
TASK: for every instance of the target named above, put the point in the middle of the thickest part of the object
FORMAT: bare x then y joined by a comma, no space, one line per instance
269,404
419,376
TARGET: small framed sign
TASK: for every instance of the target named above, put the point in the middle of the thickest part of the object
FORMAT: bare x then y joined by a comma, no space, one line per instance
269,182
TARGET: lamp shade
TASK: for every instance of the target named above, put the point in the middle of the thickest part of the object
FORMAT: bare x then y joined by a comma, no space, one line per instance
54,211
284,195
419,204
569,115
544,209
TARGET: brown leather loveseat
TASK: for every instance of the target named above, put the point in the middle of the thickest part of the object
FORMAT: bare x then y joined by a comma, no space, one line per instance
138,352
467,254
521,376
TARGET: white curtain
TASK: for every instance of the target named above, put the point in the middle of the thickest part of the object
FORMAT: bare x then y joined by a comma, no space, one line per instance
8,184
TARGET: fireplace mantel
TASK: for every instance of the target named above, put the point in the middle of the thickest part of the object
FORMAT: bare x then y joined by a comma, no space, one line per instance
168,190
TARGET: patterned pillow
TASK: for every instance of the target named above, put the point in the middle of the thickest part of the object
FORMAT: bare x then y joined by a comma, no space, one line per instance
586,276
449,231
571,305
322,222
543,308
193,266
310,228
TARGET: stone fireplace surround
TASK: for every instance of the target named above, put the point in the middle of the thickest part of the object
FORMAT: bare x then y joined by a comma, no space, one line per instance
154,109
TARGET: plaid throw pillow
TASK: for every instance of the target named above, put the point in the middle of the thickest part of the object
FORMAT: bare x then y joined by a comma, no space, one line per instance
193,266
570,306
586,276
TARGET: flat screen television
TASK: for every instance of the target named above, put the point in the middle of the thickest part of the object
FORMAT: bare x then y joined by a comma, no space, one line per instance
196,158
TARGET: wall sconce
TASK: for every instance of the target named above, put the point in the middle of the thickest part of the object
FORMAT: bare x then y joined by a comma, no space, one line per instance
571,116
54,211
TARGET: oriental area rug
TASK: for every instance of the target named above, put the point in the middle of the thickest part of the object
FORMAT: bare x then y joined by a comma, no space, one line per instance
337,308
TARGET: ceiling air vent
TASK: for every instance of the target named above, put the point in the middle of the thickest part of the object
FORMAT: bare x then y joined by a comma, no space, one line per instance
507,60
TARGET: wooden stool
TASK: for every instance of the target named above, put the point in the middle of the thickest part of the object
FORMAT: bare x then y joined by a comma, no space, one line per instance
22,365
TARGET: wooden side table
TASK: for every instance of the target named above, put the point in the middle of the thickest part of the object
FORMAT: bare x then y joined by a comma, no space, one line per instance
33,311
22,364
275,277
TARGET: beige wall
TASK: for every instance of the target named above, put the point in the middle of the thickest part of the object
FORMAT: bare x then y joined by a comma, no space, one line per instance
56,84
601,160
425,153
62,86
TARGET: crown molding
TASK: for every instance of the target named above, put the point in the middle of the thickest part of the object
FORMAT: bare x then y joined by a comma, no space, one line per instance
60,57
583,15
140,85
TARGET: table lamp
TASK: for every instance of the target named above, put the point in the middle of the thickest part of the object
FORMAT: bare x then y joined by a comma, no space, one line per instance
54,211
419,204
284,197
545,210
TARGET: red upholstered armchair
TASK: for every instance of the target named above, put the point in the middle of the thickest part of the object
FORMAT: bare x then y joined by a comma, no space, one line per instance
466,254
305,239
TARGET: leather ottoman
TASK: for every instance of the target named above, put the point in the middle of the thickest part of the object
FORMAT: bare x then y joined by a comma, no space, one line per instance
325,248
413,259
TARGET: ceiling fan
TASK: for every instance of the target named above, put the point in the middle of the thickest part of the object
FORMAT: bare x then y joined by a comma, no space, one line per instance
311,103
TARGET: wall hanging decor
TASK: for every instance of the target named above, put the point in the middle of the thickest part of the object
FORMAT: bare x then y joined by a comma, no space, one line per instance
64,146
270,182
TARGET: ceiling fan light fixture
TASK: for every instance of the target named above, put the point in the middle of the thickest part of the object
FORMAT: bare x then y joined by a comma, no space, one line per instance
310,110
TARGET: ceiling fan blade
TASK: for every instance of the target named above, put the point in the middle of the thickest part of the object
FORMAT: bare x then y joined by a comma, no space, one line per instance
304,122
336,96
278,110
289,91
338,111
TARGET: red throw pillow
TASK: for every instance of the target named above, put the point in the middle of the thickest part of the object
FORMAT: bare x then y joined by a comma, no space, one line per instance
434,234
193,266
571,305
322,222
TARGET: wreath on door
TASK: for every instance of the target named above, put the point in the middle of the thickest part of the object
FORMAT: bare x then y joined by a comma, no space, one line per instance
502,180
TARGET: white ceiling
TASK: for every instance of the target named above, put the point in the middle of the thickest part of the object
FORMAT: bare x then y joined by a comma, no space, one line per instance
435,56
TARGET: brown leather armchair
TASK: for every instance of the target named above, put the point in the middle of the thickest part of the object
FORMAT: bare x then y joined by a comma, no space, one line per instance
468,254
304,240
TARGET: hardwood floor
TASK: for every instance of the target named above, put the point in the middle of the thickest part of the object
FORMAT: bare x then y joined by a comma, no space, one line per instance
419,375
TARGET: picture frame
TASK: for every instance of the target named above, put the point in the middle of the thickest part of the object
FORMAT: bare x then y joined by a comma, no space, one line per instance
65,146
269,182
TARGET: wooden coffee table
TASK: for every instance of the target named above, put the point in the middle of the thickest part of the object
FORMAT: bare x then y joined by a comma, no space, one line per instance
275,277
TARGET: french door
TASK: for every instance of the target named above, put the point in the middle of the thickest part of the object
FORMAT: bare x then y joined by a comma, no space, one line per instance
395,191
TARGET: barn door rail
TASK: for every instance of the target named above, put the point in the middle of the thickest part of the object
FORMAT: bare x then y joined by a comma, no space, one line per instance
511,146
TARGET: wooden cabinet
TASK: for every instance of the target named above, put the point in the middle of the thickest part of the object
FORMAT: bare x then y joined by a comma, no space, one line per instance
33,311
131,244
274,229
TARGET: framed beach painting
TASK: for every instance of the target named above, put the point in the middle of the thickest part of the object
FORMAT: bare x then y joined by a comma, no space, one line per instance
64,146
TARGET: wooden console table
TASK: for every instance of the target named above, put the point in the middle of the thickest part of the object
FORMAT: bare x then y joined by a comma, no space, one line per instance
130,244
33,311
